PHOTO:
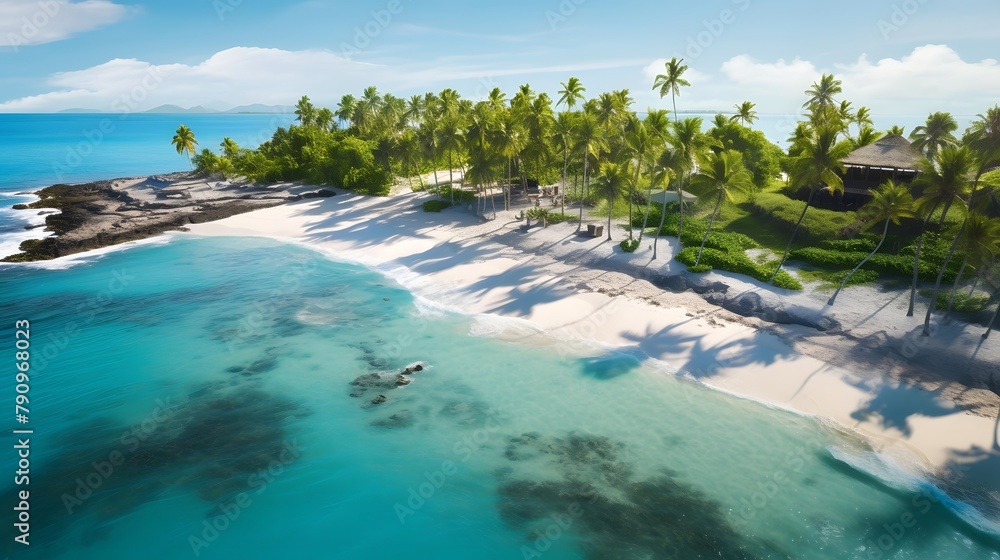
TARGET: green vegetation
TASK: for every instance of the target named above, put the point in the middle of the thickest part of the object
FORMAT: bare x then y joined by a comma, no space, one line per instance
963,303
736,261
436,205
937,229
818,224
630,245
557,218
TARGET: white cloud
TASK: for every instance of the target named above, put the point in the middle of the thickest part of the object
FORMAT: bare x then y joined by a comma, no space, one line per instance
931,78
35,22
245,75
236,76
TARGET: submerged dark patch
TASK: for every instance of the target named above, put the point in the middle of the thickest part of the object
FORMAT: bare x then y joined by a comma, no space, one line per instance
214,443
612,512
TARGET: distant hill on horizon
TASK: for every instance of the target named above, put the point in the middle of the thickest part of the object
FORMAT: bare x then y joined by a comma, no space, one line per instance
177,109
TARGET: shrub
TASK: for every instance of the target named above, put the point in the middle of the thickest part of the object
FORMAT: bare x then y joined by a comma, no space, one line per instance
629,245
436,205
540,214
963,303
694,229
862,276
460,195
865,245
701,268
739,263
900,265
818,224
556,218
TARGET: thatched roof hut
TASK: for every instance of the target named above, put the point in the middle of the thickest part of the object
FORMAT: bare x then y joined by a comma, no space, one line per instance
890,152
891,157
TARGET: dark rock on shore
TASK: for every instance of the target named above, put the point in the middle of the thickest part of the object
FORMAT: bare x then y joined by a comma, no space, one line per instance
323,193
106,213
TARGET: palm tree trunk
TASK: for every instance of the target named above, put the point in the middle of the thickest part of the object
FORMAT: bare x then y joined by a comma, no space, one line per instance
663,216
649,203
885,232
611,210
562,197
451,178
993,319
954,288
937,285
680,209
975,284
579,224
635,183
795,231
437,184
711,220
916,265
944,212
506,188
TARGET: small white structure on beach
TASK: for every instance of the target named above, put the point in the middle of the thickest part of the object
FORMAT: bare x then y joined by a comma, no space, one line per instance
671,196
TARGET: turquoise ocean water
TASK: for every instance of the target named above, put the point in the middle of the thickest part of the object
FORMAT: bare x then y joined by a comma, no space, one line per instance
213,398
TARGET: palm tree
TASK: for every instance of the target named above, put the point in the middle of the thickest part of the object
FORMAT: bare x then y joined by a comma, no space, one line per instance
346,108
891,202
821,93
944,182
719,176
414,109
866,135
745,113
658,127
590,139
817,166
306,113
497,99
688,142
230,148
937,284
670,160
184,141
571,92
611,180
563,133
427,133
981,244
846,114
324,119
895,130
672,81
510,142
935,134
450,134
983,137
638,142
408,149
863,117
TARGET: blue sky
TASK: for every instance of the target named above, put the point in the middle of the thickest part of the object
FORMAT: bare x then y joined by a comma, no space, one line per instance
899,57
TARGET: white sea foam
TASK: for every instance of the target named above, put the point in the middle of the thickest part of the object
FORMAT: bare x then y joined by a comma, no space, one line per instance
887,471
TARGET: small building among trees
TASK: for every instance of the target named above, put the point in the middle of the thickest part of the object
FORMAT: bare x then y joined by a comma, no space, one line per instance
891,157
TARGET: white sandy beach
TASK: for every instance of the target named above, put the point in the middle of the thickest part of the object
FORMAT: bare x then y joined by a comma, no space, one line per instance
573,287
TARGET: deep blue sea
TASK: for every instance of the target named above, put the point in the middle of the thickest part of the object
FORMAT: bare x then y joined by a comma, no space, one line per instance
216,398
